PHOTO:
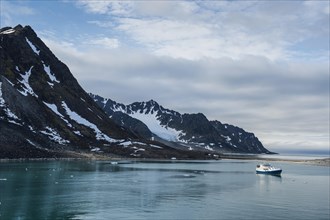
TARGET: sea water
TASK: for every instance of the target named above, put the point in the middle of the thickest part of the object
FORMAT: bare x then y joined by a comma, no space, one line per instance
224,189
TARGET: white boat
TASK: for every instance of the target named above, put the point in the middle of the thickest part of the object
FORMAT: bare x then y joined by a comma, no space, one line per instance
268,169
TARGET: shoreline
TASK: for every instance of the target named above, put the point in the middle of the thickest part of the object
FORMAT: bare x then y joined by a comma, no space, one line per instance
316,162
96,157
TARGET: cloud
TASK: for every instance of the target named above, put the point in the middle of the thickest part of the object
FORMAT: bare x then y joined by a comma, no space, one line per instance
197,29
106,42
9,12
100,7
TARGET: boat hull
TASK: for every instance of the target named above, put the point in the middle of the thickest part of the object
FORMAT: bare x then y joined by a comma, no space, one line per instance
269,172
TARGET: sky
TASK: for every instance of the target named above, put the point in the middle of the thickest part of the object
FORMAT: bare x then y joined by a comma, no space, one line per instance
259,65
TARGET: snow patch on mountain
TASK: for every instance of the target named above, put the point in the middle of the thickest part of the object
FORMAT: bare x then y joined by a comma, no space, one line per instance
25,81
96,149
2,101
12,84
130,143
155,127
31,129
53,107
10,114
207,147
34,48
12,118
76,117
54,136
9,31
228,139
155,146
30,142
50,75
118,108
77,133
126,143
104,102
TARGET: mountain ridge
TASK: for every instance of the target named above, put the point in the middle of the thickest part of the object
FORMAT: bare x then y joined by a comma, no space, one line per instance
188,130
44,112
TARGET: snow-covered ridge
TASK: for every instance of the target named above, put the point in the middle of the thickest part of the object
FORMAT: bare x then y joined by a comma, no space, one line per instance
34,48
119,108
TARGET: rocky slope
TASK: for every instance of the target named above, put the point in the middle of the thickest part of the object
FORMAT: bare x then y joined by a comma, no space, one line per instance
183,131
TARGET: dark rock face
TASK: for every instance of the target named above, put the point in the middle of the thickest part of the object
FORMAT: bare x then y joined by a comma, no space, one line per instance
134,125
246,142
192,131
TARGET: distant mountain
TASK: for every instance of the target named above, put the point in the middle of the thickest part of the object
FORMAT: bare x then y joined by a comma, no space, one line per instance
45,113
183,131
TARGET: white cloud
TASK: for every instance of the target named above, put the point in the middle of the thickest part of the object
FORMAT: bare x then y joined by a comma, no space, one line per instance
10,10
316,7
104,24
105,42
157,31
197,29
100,7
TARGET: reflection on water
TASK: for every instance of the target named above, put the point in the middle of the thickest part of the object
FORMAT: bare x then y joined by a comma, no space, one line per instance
268,178
189,190
267,182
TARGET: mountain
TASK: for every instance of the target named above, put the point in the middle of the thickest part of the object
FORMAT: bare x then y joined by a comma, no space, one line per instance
182,131
44,112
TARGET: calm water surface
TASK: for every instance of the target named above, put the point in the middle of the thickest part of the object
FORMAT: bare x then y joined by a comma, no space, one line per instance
226,189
